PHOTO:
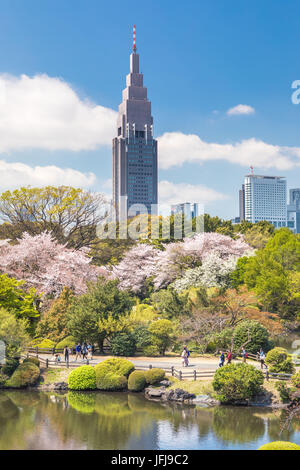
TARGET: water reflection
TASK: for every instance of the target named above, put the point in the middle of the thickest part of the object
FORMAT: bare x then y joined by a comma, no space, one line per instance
78,420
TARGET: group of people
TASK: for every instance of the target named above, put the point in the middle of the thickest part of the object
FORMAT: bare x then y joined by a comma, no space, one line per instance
244,353
84,351
222,358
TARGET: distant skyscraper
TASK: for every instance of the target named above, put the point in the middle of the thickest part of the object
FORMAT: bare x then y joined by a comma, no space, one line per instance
293,211
134,148
242,203
190,210
265,199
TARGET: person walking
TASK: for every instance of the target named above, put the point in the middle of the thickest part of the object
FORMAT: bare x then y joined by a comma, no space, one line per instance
78,350
229,357
84,351
184,357
262,358
66,353
187,356
90,351
222,359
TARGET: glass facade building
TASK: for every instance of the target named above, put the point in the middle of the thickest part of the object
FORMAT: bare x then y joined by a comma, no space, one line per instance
134,149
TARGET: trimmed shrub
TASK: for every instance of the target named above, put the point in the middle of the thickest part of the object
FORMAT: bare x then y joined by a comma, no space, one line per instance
42,343
26,374
150,351
112,374
258,333
33,360
123,344
82,378
10,366
296,379
237,382
136,381
154,376
278,360
280,445
68,341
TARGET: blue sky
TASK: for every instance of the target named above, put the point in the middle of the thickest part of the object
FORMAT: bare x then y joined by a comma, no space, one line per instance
199,59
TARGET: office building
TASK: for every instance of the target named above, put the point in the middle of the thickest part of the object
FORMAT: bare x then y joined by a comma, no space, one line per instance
134,148
265,199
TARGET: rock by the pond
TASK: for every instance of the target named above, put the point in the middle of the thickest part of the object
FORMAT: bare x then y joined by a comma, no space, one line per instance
178,395
54,386
205,400
165,383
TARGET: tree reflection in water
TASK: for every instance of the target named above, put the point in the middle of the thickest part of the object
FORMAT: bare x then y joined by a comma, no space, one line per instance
97,420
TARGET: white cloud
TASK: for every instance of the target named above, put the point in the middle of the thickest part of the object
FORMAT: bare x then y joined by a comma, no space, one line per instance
173,193
46,113
14,175
176,148
240,109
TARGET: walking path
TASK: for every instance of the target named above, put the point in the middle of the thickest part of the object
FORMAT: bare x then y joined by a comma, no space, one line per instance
198,363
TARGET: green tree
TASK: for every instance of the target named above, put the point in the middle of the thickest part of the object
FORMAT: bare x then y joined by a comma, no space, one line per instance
162,334
168,303
21,302
269,271
70,214
53,323
13,332
252,335
103,300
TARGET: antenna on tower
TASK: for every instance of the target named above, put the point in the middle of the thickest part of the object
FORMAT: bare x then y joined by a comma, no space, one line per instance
251,168
134,44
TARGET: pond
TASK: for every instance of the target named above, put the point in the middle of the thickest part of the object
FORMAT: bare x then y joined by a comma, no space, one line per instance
95,420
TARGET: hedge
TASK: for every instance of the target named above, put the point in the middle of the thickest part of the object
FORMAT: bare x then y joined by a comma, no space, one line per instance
136,381
112,374
237,382
82,378
278,360
280,445
26,374
68,341
33,360
154,376
42,343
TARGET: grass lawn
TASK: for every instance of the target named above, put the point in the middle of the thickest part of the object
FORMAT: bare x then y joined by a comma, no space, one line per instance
198,387
51,376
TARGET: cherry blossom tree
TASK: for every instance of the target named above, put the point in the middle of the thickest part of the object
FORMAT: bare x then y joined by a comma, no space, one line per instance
165,266
136,267
214,272
48,266
191,253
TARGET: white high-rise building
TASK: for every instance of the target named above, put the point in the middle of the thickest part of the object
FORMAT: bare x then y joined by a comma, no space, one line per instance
189,210
265,199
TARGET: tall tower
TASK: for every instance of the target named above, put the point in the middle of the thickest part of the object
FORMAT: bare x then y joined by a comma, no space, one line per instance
134,148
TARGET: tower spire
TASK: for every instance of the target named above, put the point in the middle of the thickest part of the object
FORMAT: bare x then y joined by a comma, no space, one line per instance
134,44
